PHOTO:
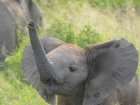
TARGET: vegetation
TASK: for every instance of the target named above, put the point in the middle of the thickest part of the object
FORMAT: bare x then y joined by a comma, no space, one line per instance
75,21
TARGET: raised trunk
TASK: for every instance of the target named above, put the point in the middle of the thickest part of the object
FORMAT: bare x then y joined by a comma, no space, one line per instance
45,69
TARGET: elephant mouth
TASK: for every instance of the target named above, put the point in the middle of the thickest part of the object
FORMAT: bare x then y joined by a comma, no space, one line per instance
54,87
51,82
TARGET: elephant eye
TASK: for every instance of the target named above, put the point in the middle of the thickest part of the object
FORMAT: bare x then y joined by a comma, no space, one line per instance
72,68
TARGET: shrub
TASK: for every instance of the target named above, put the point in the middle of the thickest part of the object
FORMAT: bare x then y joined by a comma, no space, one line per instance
64,31
87,36
61,30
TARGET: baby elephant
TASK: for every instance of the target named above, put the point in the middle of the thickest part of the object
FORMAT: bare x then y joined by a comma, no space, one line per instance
98,74
15,15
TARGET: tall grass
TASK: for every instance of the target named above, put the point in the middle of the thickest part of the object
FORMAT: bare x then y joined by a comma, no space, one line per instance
13,88
79,22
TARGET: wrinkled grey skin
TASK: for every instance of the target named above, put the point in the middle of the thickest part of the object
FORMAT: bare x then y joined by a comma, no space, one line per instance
98,74
14,15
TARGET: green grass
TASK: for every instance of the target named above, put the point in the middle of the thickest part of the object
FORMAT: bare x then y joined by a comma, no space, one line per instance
13,88
76,22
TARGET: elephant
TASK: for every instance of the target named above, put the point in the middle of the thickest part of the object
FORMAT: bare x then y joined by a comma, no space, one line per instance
66,74
15,15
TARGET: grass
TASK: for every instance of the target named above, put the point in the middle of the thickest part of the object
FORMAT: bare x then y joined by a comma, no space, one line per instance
13,89
77,22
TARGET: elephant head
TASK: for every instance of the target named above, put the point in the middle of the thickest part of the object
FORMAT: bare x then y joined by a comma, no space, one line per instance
54,67
35,12
31,11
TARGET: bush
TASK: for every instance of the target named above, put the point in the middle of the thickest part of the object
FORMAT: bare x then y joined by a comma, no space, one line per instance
64,31
87,36
61,30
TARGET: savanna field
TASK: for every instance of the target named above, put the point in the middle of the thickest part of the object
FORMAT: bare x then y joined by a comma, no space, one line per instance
74,21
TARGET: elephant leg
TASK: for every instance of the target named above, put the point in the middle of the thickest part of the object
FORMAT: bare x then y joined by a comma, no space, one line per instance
7,43
61,100
5,51
7,33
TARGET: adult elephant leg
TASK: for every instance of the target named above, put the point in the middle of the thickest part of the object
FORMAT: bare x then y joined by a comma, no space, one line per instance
7,43
7,33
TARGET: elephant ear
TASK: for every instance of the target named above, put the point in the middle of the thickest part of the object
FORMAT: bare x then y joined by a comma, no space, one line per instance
30,70
112,65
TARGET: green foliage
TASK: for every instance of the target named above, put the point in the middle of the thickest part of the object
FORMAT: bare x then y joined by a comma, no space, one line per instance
87,36
106,3
65,32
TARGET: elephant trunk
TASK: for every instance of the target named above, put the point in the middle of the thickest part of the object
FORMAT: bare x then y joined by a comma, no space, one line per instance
45,69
